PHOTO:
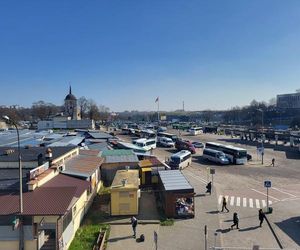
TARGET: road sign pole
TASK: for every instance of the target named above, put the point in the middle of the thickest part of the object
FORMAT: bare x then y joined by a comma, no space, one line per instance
267,199
205,240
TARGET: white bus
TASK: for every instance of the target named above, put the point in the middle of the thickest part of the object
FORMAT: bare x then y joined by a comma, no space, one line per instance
168,135
180,160
147,133
196,131
234,154
215,156
146,144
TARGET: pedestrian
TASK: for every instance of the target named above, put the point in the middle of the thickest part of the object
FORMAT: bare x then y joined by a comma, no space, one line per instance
235,221
261,216
224,205
208,188
134,223
273,162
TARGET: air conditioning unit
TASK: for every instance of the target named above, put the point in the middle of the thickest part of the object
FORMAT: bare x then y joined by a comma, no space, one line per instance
61,168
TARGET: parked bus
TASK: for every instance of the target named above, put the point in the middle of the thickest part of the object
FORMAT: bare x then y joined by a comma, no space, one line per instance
196,131
168,135
147,133
234,154
136,149
180,160
215,156
146,144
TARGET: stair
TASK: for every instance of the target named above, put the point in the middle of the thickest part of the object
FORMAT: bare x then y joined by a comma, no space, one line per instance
49,245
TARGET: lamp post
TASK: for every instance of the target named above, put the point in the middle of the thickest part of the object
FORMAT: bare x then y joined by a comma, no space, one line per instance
262,136
21,241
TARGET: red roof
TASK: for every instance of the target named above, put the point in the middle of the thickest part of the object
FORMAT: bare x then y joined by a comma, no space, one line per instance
53,198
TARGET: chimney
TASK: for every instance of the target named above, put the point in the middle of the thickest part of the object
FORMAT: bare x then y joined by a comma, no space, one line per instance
48,155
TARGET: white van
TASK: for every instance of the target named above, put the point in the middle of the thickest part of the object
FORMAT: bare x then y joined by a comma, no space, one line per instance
215,156
166,142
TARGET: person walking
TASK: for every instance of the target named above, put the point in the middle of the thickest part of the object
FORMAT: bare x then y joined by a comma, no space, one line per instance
235,221
273,162
224,205
261,216
134,223
208,187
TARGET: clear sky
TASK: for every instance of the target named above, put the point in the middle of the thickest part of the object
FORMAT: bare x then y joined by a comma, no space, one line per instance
213,54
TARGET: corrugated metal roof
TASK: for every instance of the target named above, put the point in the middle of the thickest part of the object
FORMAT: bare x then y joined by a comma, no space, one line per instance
174,180
100,135
31,153
83,164
68,141
117,152
42,201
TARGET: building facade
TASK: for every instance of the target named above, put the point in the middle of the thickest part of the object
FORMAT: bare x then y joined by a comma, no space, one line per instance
71,108
288,100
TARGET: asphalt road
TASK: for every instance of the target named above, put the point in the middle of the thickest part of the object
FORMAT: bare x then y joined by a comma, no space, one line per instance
243,186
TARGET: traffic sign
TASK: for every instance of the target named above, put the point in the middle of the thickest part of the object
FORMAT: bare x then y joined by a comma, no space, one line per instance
212,171
267,184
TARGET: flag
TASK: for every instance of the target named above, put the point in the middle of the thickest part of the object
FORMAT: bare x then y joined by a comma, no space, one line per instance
157,99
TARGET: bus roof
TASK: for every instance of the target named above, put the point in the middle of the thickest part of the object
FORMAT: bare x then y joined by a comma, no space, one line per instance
181,153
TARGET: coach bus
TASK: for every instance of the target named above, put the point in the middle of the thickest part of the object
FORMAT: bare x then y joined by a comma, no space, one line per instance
180,160
234,154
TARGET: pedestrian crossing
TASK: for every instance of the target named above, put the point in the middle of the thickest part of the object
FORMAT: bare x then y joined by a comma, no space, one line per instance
243,202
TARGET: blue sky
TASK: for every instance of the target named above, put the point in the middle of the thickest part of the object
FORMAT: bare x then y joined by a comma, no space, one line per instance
123,54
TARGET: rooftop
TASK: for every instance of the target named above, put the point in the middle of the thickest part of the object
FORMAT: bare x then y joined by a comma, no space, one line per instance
119,155
174,180
131,177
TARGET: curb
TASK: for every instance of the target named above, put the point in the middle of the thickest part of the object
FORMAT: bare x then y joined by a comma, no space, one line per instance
274,234
140,223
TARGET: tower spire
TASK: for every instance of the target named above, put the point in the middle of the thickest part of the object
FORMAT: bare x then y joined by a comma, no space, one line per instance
70,91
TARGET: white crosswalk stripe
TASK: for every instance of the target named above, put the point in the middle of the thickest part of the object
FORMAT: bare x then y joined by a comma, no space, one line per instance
238,201
232,201
257,203
244,202
250,203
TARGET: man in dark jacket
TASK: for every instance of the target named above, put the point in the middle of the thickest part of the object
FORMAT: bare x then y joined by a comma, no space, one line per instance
235,221
208,187
261,216
224,205
134,223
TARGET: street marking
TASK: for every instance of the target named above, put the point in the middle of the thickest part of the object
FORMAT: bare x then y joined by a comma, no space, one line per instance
264,204
284,192
232,201
270,202
238,201
220,199
264,194
250,203
244,202
226,197
196,177
257,203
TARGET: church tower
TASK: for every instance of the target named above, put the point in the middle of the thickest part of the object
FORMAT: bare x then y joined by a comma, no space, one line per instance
71,108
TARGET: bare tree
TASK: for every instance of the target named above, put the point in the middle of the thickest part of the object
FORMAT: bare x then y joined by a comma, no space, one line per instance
83,106
93,110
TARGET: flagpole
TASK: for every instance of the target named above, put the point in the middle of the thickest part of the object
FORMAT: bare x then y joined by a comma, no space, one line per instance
158,111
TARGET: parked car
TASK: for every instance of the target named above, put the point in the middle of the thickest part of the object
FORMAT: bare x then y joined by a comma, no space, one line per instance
185,145
198,144
165,142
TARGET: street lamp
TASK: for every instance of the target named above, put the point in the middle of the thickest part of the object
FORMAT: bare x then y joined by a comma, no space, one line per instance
262,135
11,121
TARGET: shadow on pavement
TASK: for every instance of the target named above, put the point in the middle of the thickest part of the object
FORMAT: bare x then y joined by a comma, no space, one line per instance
213,212
120,238
223,231
291,228
248,229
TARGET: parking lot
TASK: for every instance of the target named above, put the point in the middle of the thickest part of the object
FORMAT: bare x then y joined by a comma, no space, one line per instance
243,186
